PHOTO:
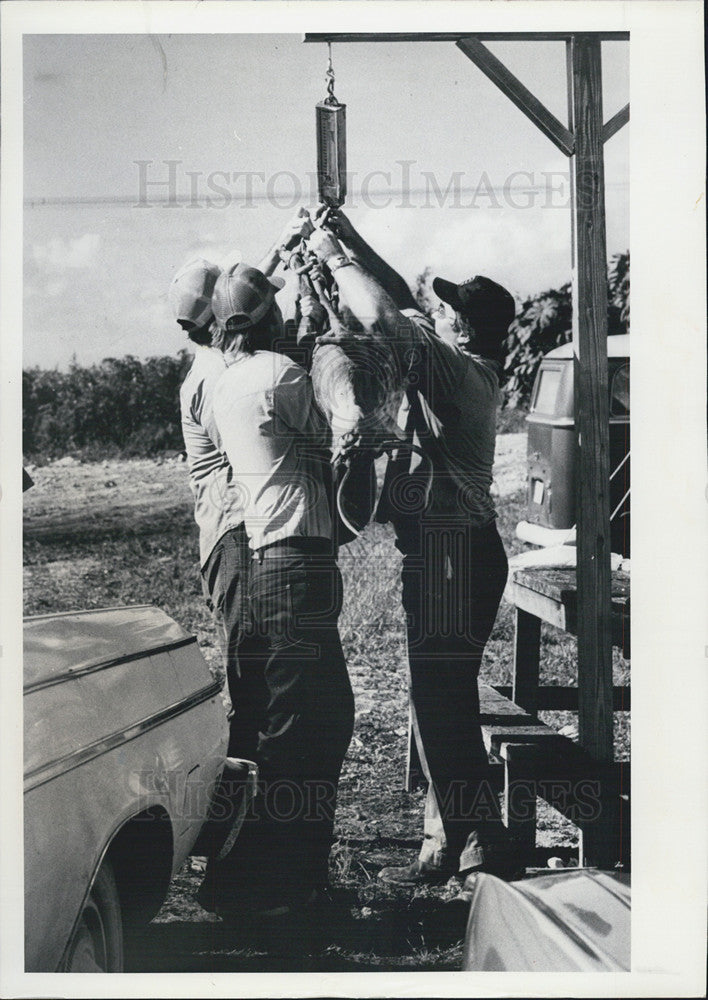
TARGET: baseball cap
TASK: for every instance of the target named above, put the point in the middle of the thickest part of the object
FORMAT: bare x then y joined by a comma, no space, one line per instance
243,295
489,307
191,290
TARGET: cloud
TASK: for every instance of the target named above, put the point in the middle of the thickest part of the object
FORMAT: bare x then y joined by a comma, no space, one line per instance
59,254
525,249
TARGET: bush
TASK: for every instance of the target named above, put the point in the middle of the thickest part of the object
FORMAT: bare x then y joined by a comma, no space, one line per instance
121,406
546,321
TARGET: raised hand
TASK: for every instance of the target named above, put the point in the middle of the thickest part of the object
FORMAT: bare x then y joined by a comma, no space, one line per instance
299,228
325,245
342,228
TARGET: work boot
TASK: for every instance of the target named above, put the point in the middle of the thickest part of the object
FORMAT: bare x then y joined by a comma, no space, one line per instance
505,865
418,873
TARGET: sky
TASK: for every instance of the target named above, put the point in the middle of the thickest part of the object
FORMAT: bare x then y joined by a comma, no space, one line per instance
443,170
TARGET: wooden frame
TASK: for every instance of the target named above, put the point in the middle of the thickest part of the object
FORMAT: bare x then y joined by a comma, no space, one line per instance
497,72
582,140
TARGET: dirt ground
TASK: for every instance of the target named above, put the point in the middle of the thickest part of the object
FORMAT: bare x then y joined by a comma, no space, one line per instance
97,494
116,532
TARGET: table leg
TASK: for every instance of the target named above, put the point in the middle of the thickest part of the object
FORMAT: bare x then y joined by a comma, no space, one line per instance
520,799
527,648
602,844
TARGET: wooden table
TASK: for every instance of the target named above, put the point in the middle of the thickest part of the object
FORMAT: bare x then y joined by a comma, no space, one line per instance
533,759
550,595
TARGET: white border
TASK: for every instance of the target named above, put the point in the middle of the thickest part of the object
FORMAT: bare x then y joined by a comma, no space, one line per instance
669,589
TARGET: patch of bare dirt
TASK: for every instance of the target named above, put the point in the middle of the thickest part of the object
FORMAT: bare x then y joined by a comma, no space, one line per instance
71,498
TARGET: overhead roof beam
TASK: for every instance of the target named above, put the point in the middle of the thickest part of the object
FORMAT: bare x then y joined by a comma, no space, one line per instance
454,36
539,114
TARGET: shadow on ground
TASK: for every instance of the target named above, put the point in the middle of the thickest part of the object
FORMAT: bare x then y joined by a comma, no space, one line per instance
414,935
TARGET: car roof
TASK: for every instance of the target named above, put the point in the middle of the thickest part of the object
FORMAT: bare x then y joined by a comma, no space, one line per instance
65,643
617,347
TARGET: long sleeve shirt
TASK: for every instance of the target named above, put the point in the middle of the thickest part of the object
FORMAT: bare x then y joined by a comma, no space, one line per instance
456,395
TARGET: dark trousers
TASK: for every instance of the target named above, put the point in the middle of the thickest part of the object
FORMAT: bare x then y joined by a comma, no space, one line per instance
453,579
301,733
225,584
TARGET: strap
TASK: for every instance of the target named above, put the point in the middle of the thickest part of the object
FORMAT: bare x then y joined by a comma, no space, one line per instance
401,463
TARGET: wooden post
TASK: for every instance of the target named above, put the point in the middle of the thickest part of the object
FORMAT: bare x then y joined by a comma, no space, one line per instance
592,425
521,826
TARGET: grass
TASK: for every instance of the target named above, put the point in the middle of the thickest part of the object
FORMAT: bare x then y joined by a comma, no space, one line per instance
378,822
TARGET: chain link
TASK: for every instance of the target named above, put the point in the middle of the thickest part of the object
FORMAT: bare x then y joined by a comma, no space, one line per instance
330,99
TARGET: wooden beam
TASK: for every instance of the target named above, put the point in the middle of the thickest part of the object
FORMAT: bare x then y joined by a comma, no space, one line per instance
591,401
518,94
571,126
595,720
615,123
552,698
453,36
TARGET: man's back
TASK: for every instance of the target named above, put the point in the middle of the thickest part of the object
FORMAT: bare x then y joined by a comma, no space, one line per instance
276,440
217,505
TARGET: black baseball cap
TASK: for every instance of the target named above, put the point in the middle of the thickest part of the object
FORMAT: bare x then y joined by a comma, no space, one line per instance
489,307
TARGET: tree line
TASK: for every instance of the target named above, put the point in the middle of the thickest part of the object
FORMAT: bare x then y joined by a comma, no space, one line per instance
128,407
120,407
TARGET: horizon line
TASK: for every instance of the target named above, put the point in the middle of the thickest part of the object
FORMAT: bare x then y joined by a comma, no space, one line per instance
39,201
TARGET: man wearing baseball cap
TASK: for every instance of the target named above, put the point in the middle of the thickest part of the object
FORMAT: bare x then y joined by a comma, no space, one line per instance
218,507
454,564
277,443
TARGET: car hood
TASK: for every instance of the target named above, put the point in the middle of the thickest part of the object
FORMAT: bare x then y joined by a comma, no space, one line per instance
73,642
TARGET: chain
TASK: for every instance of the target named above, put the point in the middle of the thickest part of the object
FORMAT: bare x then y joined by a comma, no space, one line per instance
330,99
